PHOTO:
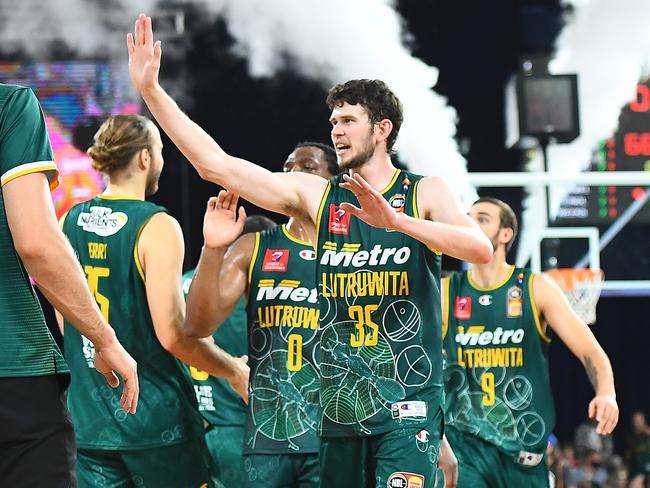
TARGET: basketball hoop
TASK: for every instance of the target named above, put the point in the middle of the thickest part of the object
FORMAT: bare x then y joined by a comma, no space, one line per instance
582,288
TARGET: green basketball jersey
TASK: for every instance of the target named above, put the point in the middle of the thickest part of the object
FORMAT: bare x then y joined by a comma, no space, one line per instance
496,363
282,337
26,345
219,404
381,348
104,232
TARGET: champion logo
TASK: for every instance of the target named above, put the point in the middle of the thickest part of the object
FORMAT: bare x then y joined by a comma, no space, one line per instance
275,260
339,220
485,300
308,254
422,436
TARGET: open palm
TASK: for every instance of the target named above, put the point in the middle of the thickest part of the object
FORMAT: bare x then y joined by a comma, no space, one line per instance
144,55
222,224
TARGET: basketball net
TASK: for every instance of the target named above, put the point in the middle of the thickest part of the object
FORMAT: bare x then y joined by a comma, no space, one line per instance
582,288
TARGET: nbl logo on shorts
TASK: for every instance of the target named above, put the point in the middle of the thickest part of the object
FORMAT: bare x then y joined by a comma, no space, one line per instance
339,221
275,260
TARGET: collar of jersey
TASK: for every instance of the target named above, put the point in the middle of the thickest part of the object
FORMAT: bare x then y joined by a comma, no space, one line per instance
116,197
294,239
489,288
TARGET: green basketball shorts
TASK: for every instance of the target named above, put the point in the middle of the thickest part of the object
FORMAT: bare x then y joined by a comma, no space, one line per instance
183,465
226,445
402,458
281,471
483,465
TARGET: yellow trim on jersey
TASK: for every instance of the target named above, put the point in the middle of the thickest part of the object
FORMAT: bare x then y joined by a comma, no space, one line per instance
445,305
256,249
35,167
531,291
116,197
392,181
294,239
136,255
416,213
489,288
319,215
289,283
62,219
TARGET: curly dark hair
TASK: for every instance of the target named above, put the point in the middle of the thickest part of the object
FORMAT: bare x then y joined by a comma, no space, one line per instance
373,95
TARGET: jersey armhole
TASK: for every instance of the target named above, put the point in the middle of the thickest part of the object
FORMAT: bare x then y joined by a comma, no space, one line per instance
533,306
136,254
446,284
319,216
416,213
62,220
251,266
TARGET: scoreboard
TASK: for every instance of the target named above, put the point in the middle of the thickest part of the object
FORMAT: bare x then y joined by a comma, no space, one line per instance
627,150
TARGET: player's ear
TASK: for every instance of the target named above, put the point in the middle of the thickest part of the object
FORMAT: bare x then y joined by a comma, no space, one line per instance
506,234
383,128
144,158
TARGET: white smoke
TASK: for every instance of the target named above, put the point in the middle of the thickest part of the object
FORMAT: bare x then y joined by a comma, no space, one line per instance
328,41
89,28
608,45
339,40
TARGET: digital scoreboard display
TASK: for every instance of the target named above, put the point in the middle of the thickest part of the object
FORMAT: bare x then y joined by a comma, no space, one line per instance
74,94
627,150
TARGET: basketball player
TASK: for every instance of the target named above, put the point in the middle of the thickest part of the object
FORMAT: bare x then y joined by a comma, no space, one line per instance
275,270
381,397
218,403
36,433
132,253
499,403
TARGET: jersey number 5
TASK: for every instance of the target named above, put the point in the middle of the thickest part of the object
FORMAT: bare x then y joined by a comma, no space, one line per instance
94,273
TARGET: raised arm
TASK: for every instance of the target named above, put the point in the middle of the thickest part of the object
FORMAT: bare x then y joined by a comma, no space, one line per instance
554,309
443,226
218,283
292,194
50,260
162,266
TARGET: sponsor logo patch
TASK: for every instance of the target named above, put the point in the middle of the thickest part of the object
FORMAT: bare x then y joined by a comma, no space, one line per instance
463,309
398,201
409,410
405,480
485,300
102,221
339,220
308,254
397,480
515,301
275,260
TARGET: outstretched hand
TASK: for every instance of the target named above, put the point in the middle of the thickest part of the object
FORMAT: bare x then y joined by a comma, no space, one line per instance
144,55
375,210
222,223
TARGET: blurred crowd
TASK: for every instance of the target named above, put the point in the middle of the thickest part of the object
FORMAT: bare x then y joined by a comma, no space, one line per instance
591,462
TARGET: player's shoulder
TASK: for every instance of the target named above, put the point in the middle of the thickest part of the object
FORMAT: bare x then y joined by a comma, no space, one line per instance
12,95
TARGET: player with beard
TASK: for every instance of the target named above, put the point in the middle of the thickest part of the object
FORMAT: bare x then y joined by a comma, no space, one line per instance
132,253
379,233
499,412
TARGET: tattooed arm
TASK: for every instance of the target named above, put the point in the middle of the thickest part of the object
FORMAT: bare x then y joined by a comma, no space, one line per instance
555,310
